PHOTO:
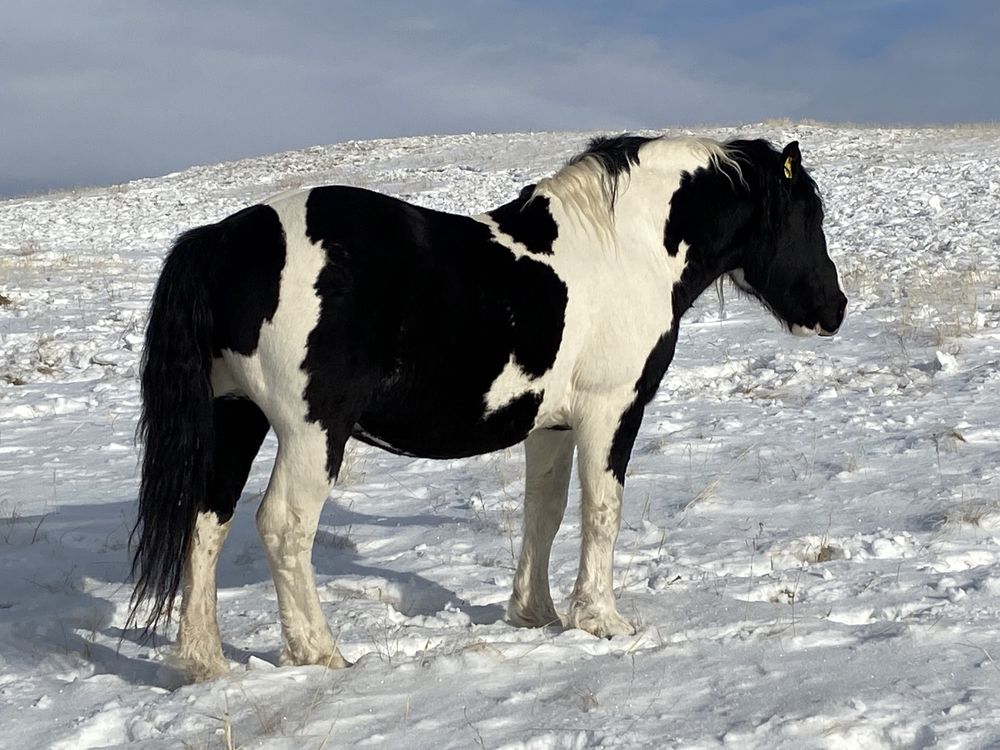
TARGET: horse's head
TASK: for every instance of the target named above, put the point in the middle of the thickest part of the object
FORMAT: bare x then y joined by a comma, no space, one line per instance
785,263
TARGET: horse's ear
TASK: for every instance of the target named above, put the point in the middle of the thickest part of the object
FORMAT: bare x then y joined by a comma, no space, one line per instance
791,160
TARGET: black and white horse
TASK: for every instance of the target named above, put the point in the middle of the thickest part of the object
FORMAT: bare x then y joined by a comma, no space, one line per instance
336,312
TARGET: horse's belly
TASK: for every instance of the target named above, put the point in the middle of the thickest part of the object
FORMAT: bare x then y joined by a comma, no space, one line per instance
448,430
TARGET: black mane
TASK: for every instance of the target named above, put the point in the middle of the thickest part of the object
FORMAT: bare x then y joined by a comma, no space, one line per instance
616,155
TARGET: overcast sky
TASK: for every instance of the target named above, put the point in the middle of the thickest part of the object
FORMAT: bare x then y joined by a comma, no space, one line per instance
94,92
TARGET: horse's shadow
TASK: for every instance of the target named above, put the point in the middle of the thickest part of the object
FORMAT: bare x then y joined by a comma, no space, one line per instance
410,594
335,556
51,622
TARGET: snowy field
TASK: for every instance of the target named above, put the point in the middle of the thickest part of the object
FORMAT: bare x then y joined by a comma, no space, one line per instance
811,537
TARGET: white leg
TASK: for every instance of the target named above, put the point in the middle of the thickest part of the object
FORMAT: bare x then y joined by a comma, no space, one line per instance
199,646
549,460
592,605
287,521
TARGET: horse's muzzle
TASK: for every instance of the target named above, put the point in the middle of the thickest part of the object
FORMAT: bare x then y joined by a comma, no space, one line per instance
833,317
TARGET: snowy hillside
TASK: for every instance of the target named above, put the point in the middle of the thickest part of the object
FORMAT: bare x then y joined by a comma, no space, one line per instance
811,538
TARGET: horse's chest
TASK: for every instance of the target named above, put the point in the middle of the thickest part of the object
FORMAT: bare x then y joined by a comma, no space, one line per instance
620,320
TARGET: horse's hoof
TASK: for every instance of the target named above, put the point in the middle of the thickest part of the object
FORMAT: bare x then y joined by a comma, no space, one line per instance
200,670
526,618
332,660
600,621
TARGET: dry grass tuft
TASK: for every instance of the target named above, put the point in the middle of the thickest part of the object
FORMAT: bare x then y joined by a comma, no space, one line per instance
983,514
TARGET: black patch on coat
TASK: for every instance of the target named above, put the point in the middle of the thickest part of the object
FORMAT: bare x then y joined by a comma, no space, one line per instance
240,428
251,247
528,221
420,312
538,320
750,217
709,215
671,241
653,371
770,226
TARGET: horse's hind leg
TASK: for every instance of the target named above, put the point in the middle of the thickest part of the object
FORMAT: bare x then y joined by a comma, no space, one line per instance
240,428
199,645
548,462
287,521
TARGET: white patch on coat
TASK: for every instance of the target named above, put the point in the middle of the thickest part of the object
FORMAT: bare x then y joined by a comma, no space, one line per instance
618,275
583,188
621,286
512,383
223,383
620,281
273,376
274,379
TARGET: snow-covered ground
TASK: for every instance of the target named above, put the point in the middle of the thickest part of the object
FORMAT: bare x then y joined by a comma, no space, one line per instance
811,539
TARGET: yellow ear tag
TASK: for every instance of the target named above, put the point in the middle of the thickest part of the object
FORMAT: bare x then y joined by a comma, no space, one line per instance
788,167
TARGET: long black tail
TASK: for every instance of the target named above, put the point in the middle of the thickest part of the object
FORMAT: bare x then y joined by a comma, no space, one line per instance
176,423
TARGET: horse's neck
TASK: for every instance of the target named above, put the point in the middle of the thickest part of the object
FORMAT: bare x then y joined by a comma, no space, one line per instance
641,225
641,213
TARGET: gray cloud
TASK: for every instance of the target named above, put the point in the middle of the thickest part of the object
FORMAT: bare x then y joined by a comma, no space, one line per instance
92,93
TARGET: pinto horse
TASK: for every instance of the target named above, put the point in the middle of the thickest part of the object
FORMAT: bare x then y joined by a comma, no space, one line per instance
337,312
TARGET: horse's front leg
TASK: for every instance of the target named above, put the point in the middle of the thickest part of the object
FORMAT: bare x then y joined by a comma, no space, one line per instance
605,440
548,463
